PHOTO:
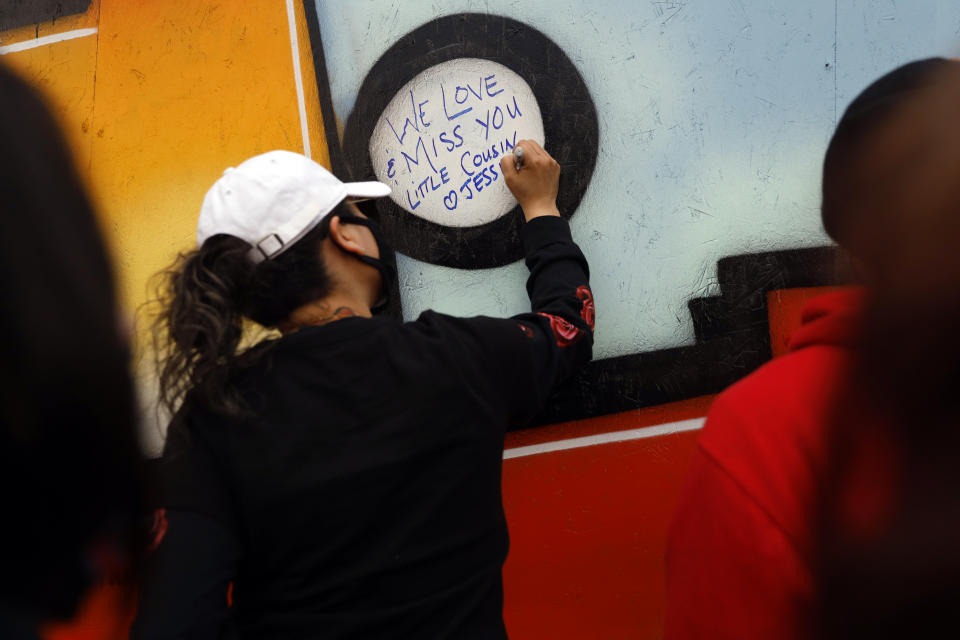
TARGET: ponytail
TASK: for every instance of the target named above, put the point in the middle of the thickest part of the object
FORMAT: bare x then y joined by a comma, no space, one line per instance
206,295
197,335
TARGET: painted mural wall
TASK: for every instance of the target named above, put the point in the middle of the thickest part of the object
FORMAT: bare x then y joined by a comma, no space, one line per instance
691,136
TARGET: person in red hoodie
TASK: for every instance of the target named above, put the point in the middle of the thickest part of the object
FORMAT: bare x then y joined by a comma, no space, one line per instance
743,548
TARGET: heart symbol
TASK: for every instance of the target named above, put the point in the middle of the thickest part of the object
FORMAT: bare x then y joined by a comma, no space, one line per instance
450,201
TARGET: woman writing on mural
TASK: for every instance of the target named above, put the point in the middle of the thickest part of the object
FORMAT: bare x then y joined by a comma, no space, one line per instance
343,479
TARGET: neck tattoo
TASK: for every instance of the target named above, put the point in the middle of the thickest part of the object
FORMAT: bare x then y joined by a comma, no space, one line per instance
338,314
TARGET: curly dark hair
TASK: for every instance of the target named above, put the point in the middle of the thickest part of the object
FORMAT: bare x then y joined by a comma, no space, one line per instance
205,297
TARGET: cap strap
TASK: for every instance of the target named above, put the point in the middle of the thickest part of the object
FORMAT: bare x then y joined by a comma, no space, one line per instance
268,247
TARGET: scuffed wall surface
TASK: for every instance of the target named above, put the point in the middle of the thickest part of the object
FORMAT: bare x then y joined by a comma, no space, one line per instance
713,121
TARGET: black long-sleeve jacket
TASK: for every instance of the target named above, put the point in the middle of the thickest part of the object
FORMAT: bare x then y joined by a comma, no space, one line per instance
364,500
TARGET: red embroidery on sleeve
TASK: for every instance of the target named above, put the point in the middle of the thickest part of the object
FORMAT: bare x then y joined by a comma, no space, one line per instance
230,594
527,331
565,332
158,529
587,311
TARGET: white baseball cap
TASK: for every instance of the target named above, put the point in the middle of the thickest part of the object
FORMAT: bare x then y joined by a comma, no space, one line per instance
274,199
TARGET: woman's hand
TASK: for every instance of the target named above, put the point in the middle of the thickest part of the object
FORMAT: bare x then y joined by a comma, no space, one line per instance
536,183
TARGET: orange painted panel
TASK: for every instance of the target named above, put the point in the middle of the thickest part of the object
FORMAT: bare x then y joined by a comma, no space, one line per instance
185,88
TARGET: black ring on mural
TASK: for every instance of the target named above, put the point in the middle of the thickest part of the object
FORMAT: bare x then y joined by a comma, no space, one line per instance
569,124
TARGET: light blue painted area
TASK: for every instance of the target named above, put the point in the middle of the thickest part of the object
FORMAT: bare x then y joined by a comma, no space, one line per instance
879,35
714,117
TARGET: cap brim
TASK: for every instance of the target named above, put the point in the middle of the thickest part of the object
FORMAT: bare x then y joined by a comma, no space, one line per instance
367,190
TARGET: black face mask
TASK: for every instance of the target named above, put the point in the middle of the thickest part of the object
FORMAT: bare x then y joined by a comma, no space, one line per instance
385,264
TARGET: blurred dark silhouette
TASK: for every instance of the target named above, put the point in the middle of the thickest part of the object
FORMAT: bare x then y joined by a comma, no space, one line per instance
889,525
69,483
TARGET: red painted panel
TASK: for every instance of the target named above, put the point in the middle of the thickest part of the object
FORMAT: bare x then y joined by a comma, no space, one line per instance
588,531
589,526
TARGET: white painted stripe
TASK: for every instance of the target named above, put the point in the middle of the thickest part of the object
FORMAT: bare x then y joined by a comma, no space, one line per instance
298,78
45,40
606,438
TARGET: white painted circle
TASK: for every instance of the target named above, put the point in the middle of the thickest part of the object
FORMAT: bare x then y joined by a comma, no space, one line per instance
439,142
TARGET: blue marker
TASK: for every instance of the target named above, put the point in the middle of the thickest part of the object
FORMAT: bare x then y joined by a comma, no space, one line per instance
518,157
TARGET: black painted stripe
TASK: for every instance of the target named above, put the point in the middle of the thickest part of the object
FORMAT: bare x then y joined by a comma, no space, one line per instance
18,13
337,164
